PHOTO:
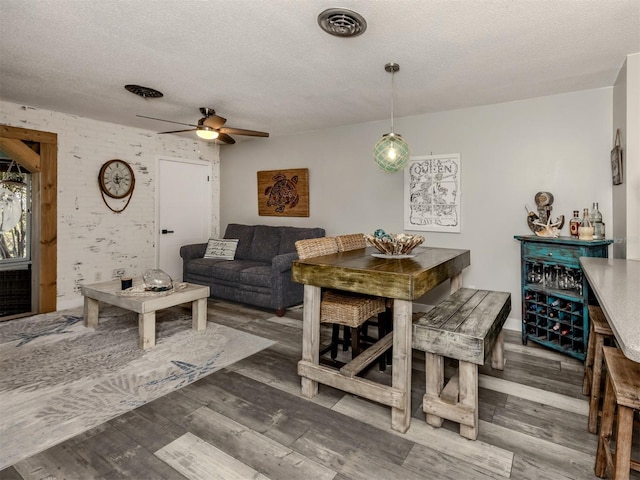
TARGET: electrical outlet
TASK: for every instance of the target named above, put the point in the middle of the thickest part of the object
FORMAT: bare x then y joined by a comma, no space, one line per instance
98,276
118,272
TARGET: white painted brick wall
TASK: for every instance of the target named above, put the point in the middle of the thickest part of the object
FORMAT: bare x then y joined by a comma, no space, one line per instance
92,240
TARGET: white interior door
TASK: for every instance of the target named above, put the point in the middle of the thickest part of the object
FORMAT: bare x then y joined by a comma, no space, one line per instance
184,193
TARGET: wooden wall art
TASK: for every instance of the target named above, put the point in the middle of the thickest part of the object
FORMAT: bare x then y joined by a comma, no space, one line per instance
283,193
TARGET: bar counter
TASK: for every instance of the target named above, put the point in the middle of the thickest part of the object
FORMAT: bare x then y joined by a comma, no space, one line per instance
616,285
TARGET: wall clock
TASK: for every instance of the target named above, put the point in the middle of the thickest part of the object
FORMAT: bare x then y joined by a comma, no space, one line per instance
117,181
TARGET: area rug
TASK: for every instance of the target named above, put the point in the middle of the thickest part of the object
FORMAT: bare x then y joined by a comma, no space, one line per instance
59,378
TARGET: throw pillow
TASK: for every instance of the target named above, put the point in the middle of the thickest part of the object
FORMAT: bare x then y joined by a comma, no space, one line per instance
221,249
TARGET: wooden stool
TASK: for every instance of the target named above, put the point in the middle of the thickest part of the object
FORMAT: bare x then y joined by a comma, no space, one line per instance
599,331
622,393
352,311
467,326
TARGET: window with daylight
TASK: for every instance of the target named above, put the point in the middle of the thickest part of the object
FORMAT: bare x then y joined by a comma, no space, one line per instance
15,214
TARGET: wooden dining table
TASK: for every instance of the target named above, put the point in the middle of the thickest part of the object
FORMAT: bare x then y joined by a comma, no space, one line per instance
365,271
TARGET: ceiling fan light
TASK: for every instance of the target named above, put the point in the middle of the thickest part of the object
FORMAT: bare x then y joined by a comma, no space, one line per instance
207,133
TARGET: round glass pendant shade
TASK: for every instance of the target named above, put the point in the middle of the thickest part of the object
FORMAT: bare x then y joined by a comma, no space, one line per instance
391,153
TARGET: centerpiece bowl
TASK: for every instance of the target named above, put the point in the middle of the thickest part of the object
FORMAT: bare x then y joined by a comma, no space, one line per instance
394,243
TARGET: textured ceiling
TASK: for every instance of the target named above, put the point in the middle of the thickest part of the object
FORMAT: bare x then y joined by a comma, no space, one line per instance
266,65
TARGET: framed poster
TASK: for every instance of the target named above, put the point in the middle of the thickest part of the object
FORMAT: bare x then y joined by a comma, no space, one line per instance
283,193
432,193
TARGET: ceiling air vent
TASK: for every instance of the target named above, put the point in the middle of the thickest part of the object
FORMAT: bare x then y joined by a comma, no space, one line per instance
342,22
144,92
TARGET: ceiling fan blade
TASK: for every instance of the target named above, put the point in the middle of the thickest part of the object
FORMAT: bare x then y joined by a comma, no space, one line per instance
179,131
224,138
240,131
169,121
214,121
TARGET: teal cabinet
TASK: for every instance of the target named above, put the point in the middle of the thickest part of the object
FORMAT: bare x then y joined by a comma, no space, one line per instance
555,293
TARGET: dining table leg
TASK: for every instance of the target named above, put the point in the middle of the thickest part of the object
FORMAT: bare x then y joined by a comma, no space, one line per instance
310,336
455,283
401,371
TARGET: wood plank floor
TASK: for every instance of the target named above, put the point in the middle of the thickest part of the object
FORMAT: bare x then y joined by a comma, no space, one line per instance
248,421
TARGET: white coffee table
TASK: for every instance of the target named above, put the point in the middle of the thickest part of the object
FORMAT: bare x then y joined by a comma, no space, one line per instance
145,306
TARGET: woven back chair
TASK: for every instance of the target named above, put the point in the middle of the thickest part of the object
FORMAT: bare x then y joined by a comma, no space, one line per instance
355,241
316,247
337,307
352,241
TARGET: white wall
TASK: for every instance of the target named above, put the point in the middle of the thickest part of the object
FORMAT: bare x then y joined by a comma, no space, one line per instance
619,194
626,197
92,240
508,151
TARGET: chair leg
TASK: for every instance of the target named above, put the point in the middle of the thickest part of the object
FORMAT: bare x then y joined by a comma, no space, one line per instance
588,364
388,328
346,341
382,331
335,340
364,329
596,383
355,342
606,427
624,433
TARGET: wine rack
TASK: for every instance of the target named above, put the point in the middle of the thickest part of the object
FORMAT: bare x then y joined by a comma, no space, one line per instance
555,294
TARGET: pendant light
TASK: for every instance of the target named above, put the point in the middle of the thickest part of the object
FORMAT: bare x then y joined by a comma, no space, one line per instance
391,153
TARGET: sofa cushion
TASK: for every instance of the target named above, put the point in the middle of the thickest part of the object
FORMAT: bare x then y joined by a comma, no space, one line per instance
203,266
232,271
222,269
266,243
221,249
290,235
244,234
259,275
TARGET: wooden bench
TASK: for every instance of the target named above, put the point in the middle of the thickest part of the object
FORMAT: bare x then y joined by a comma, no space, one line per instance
467,326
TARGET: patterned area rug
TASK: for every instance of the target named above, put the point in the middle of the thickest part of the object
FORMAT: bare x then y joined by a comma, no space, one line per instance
60,378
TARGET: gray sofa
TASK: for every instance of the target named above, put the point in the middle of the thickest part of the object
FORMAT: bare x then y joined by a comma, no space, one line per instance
259,274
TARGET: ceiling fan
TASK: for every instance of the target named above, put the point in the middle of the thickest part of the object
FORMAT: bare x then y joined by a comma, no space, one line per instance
210,127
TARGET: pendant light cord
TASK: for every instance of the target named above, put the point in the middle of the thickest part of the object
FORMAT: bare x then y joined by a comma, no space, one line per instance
392,74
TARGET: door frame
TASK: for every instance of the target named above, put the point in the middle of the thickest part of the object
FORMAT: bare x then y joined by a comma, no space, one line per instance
160,158
44,169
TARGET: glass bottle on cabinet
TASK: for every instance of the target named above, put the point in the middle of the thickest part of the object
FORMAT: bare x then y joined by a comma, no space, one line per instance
598,225
574,224
555,295
585,230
